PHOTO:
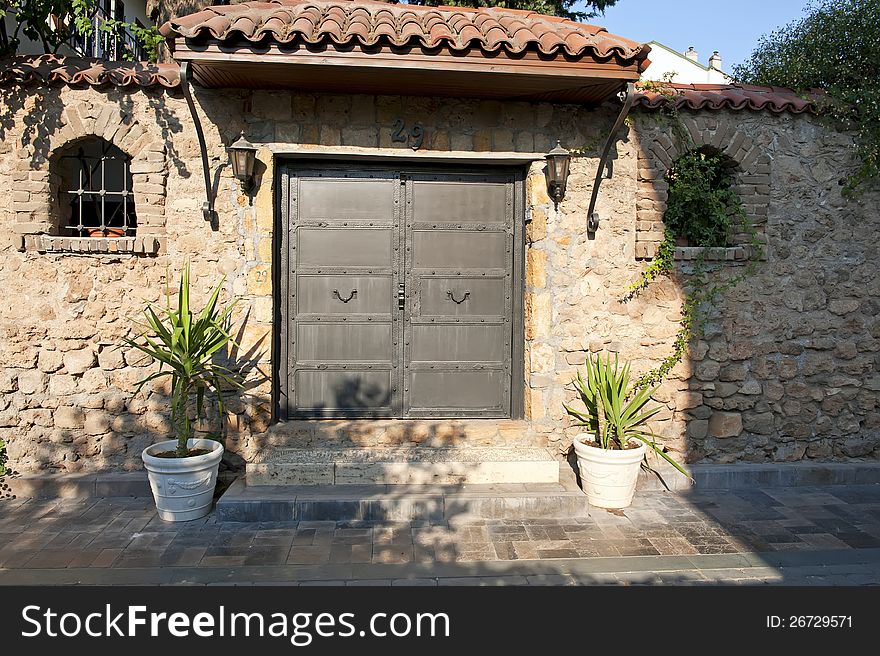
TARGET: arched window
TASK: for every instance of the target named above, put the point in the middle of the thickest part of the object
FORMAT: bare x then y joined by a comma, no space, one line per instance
96,191
702,208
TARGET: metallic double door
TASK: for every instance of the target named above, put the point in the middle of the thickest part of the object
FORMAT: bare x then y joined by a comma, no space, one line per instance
398,292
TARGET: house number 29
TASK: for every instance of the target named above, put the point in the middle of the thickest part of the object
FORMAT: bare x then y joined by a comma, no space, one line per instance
414,137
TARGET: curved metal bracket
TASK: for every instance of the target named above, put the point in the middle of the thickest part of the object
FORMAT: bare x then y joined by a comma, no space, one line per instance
345,300
451,295
628,97
185,80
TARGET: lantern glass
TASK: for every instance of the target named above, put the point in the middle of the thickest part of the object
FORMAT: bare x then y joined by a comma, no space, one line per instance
557,170
243,154
242,164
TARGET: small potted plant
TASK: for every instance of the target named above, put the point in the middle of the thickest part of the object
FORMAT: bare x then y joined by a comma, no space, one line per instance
617,440
183,471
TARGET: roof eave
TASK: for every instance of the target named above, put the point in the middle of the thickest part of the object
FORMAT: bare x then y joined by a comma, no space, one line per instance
405,71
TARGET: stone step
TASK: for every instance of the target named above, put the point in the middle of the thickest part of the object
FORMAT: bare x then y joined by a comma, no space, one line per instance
404,466
272,503
378,432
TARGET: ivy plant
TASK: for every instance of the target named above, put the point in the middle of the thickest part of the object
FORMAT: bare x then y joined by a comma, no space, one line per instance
703,208
701,201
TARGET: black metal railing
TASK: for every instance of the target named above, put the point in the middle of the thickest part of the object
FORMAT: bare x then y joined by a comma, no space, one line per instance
114,45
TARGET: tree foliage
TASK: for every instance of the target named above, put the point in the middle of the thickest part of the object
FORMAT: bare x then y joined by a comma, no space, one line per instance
52,23
836,48
701,199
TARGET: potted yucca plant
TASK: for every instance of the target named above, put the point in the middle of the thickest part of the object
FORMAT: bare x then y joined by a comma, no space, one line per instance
183,471
616,442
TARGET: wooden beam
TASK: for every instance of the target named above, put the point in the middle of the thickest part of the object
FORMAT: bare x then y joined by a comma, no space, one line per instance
474,61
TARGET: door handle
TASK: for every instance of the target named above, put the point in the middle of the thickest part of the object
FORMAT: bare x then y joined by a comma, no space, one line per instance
451,295
401,296
345,300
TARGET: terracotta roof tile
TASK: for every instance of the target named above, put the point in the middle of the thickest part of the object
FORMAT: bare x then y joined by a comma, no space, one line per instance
728,96
87,72
370,22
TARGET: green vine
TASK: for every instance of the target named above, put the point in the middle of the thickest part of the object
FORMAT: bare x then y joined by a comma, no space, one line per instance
2,458
700,207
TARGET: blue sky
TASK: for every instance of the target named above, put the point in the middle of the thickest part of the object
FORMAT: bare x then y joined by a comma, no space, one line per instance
732,27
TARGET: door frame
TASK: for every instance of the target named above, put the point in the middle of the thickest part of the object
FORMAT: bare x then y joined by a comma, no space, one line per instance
280,264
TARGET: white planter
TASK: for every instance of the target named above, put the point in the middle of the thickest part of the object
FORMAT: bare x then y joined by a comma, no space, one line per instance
183,487
608,477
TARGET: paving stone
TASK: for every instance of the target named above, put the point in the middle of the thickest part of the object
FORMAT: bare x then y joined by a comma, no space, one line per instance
815,535
399,583
307,555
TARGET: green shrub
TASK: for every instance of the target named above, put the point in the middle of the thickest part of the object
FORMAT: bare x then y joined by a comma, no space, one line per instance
701,202
186,345
615,411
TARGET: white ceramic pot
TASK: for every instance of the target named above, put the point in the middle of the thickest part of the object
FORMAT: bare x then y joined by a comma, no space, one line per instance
183,487
608,477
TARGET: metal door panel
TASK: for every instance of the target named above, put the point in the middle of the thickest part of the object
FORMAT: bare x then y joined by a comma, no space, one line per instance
480,391
397,292
461,296
457,354
340,263
457,343
339,199
344,295
328,392
341,246
341,342
460,249
453,201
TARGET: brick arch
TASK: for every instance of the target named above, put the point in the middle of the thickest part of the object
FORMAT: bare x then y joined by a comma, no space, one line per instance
751,180
35,216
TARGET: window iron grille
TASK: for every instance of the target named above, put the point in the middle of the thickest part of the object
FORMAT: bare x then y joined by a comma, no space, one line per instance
99,191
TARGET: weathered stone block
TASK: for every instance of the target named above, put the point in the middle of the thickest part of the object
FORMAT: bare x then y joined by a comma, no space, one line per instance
79,361
543,358
68,417
761,423
536,229
790,452
697,428
733,372
536,268
61,385
725,424
707,370
32,382
97,423
111,357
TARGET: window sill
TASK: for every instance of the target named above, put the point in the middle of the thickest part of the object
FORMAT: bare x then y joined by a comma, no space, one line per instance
141,245
730,254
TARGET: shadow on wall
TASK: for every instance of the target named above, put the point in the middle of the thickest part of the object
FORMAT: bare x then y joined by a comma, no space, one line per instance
39,111
786,368
111,434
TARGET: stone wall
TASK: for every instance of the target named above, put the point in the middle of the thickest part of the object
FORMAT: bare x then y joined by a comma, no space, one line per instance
787,368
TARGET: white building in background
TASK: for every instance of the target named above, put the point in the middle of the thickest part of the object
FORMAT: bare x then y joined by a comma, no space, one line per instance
684,68
98,44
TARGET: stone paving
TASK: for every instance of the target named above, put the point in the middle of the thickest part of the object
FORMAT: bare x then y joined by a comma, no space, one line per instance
820,535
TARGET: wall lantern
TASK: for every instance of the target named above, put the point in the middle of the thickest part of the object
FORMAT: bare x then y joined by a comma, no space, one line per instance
244,155
557,172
